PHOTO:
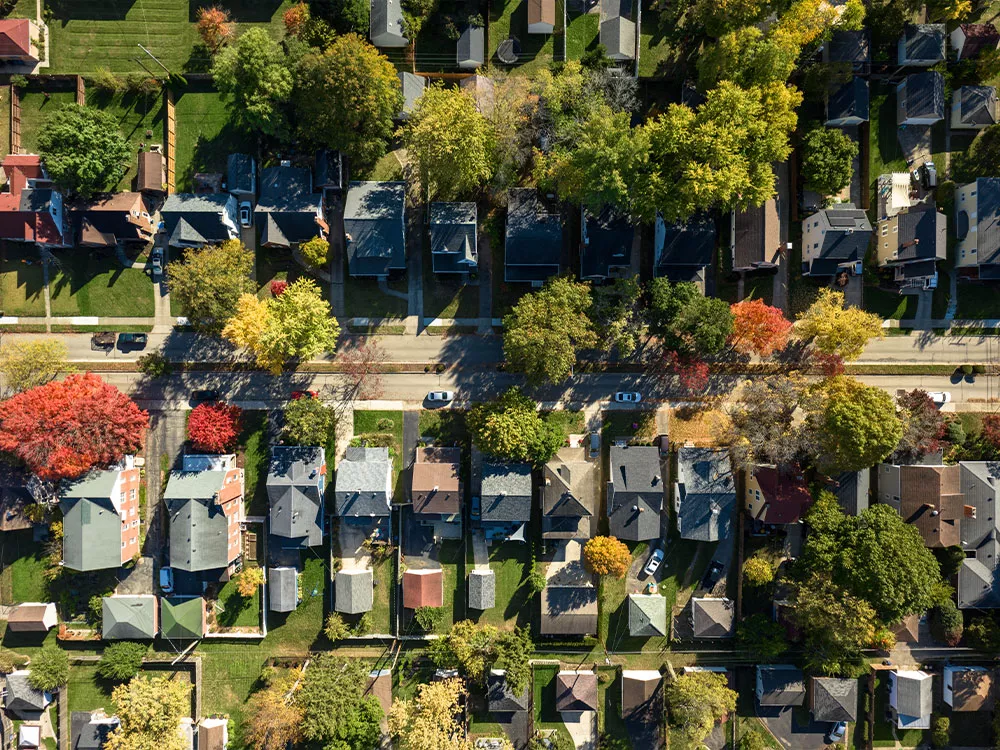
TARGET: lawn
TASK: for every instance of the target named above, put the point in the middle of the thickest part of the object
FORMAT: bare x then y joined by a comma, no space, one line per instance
363,298
883,730
205,134
87,691
452,555
274,263
381,612
570,422
609,699
36,106
91,284
511,19
238,611
256,456
386,169
660,40
977,301
511,565
640,426
22,578
445,294
544,695
890,305
21,281
444,426
135,115
370,422
582,34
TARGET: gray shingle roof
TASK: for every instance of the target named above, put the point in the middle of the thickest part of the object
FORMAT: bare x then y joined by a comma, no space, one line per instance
386,23
647,615
92,534
705,494
834,699
129,617
913,694
21,698
852,491
501,699
848,46
196,219
713,618
469,52
635,492
987,221
617,34
923,42
373,224
846,240
240,171
353,593
413,88
295,490
849,100
199,530
979,576
782,685
88,732
283,589
608,244
506,492
363,483
923,96
978,105
288,209
533,239
454,243
482,589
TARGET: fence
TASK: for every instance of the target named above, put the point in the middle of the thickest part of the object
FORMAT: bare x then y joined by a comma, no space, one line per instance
171,142
15,120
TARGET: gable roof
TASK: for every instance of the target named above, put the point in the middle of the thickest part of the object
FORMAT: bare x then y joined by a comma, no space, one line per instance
288,211
576,691
454,241
931,499
987,212
533,237
436,481
380,687
213,733
296,481
353,591
849,46
617,34
506,491
32,617
977,105
569,610
499,695
923,95
971,688
283,589
423,588
647,615
834,699
705,494
151,174
978,36
362,484
196,219
851,490
923,42
541,11
199,531
780,685
89,731
240,173
913,693
129,617
785,495
469,51
920,235
635,492
373,226
713,618
413,88
568,499
607,243
182,617
846,239
92,532
758,235
683,244
849,100
15,37
21,698
386,22
482,589
641,690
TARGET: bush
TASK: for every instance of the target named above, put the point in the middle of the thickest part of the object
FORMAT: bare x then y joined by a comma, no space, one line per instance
956,432
308,422
950,560
121,661
19,82
316,252
606,555
429,618
49,669
983,634
364,625
11,662
384,424
757,571
278,286
248,581
95,611
155,365
536,581
940,731
966,369
752,741
335,629
948,622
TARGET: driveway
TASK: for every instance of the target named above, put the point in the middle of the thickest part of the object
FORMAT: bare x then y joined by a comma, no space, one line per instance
781,722
582,727
419,547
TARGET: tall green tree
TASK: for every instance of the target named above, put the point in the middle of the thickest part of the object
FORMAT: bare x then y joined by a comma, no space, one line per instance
836,625
512,428
745,57
703,325
666,300
478,648
336,713
827,160
254,72
618,316
49,669
83,150
208,282
347,98
308,421
695,703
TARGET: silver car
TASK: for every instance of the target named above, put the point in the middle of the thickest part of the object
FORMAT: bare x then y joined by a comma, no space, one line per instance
628,397
441,397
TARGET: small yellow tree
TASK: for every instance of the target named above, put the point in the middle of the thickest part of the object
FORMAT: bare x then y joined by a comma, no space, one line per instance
835,329
149,710
758,571
248,581
430,721
272,720
316,252
605,555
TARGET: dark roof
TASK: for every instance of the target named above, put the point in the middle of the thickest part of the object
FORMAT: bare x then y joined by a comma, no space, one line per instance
849,100
979,576
782,685
785,494
91,533
923,95
533,240
353,591
21,698
689,243
569,610
849,46
705,494
834,699
199,531
971,688
978,105
240,172
852,491
296,481
846,240
386,19
713,617
987,221
191,219
373,223
930,498
576,691
288,211
454,244
506,492
607,244
89,733
920,234
501,699
362,483
413,88
329,172
923,42
471,46
482,589
635,492
642,694
758,238
282,588
978,36
568,497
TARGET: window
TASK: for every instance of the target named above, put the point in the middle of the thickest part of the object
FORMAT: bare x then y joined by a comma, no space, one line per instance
885,229
122,497
132,494
895,229
123,545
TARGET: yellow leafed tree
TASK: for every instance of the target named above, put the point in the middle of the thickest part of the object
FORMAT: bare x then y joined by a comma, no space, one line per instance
149,710
835,329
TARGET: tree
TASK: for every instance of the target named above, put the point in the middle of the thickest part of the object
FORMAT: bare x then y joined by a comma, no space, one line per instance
149,709
827,160
983,634
804,22
362,369
255,74
512,428
746,57
617,316
761,427
295,19
214,427
752,740
758,328
691,372
924,427
335,629
451,142
316,252
836,625
49,669
209,281
948,622
296,324
155,365
27,364
717,16
215,27
121,660
606,555
696,702
757,571
83,150
249,581
703,326
308,422
335,712
272,720
941,728
546,328
834,329
851,425
347,98
761,637
429,618
62,429
478,648
430,721
666,300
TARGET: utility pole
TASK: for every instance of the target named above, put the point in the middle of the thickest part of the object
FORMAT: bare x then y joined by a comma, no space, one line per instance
155,59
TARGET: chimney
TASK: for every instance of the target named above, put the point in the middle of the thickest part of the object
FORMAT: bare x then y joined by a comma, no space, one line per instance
970,511
931,506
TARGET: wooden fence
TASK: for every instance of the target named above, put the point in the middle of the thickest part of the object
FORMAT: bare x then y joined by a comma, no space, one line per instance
171,142
81,91
15,120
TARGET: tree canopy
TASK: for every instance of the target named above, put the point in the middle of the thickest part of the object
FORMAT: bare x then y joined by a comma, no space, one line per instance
746,57
308,421
335,712
924,427
758,328
827,160
836,329
272,719
255,73
606,555
149,709
695,702
761,428
27,364
618,317
512,428
836,625
430,720
49,669
83,150
208,282
478,648
121,660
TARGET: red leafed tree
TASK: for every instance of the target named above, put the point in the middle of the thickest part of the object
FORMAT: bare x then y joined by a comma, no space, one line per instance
295,19
362,370
278,287
829,365
991,430
214,427
215,27
64,428
758,328
691,372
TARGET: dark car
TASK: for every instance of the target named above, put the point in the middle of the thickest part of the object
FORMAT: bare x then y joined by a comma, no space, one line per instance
132,341
712,575
104,340
204,395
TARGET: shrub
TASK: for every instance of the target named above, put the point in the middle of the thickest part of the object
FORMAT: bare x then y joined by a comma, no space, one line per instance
11,662
215,27
956,432
752,741
278,286
758,571
316,252
308,422
948,622
536,581
248,581
19,81
155,365
606,555
121,661
966,369
49,669
429,618
384,424
983,634
295,19
95,611
335,628
940,731
214,427
364,625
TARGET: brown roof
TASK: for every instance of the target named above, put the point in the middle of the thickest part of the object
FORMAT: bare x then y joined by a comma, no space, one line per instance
541,11
576,691
423,588
151,172
786,495
979,36
28,618
907,630
930,498
380,686
568,493
972,690
640,691
757,235
436,485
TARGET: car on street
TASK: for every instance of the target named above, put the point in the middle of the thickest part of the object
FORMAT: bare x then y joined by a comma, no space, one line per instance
129,341
166,580
296,395
441,397
246,214
204,395
476,508
837,732
628,397
104,340
653,564
156,262
940,398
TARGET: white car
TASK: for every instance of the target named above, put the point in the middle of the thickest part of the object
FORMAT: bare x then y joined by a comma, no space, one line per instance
246,214
166,580
940,398
653,564
837,732
628,397
441,397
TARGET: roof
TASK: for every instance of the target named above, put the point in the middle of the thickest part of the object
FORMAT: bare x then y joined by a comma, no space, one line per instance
923,42
849,46
199,530
834,699
373,225
971,688
541,11
686,244
705,494
920,234
635,492
987,211
240,173
288,211
568,498
781,685
191,219
506,492
151,172
15,37
758,238
607,244
386,19
617,34
436,481
500,697
533,238
641,688
979,578
89,731
91,533
363,483
923,96
576,691
978,36
423,587
97,484
454,244
413,88
913,693
353,591
930,498
21,697
785,495
29,735
129,617
978,105
569,610
296,481
846,239
647,615
182,617
849,100
851,491
380,687
212,734
713,618
482,589
30,617
471,45
329,170
283,589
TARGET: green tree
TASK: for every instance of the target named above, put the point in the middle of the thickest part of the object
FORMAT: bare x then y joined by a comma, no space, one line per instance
948,622
941,732
254,72
745,57
149,710
666,300
546,328
718,16
761,637
316,252
983,634
335,629
478,648
347,98
83,150
702,326
121,660
208,283
336,714
618,316
836,625
26,364
695,702
827,160
308,422
835,329
451,142
345,15
49,668
512,428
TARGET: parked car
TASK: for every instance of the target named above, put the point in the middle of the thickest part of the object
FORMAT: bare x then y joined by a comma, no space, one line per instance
940,398
628,397
595,444
653,564
441,397
127,341
156,262
296,395
166,580
104,340
476,508
204,395
712,575
837,732
246,214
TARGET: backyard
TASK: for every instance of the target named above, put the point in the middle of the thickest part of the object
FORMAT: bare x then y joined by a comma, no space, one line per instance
22,578
510,19
36,106
511,565
141,119
21,281
546,716
206,134
446,295
255,454
886,735
582,34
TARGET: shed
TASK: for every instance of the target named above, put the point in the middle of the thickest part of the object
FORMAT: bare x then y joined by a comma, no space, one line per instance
21,699
423,587
640,690
469,53
482,589
32,617
353,591
501,698
151,176
647,615
283,589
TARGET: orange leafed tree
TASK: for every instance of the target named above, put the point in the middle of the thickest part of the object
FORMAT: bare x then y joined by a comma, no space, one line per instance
295,19
215,27
758,328
606,555
64,428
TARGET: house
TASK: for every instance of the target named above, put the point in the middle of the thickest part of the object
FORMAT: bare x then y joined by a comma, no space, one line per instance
713,617
436,490
569,610
375,228
780,685
635,493
90,730
978,582
482,589
506,494
205,504
606,245
755,237
968,688
101,518
353,591
853,47
183,618
213,733
647,615
130,618
19,41
683,249
833,699
113,220
329,170
533,239
283,589
920,99
241,173
775,496
642,694
31,210
501,699
851,489
151,174
921,44
848,103
910,698
423,587
363,492
296,486
32,617
969,39
191,220
569,502
288,212
617,34
482,91
22,700
977,217
833,239
704,494
379,686
911,243
973,107
454,238
413,88
386,24
576,690
927,497
470,50
541,16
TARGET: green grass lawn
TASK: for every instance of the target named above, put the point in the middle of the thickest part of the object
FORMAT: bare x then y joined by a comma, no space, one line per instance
367,423
381,612
640,425
446,427
135,115
582,35
544,695
452,557
256,456
22,578
205,134
21,285
570,422
278,264
537,50
386,169
87,691
35,108
238,611
363,298
977,301
435,47
91,284
890,305
511,565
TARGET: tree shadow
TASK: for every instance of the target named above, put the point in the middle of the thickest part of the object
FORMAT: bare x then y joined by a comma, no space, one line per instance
241,11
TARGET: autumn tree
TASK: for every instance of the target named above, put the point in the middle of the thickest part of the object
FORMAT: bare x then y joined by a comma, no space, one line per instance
924,427
618,317
335,711
249,581
361,365
29,363
256,76
295,18
827,160
121,660
149,709
696,702
835,329
208,282
430,720
761,427
745,57
215,27
836,625
719,16
478,648
214,427
690,371
544,331
62,429
512,428
606,556
83,150
316,252
758,571
49,669
308,421
334,627
758,328
272,720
